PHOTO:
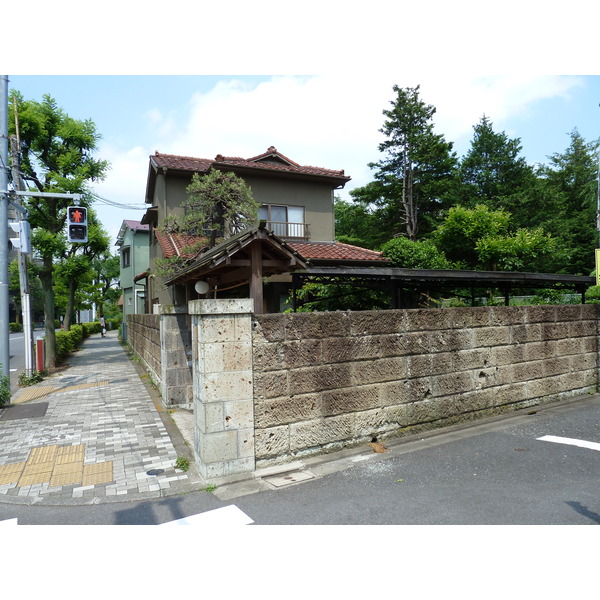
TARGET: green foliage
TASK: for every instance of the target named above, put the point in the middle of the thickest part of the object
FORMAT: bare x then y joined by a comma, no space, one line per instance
16,327
57,155
35,377
355,295
64,345
164,267
406,254
554,297
525,250
359,223
540,218
4,389
76,332
457,236
69,341
36,298
569,184
592,294
492,172
182,463
419,166
218,204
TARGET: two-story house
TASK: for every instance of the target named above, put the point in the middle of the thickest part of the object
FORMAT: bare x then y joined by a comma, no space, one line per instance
133,244
297,227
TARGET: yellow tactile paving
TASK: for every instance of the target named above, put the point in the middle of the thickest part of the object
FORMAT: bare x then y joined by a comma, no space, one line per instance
56,465
33,469
98,473
70,454
33,393
26,394
42,454
34,478
67,474
11,473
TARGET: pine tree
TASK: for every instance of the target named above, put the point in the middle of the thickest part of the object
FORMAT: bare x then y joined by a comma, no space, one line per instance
493,174
419,165
570,201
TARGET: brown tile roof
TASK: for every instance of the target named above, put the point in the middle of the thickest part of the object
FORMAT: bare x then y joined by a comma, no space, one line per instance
174,245
271,160
335,251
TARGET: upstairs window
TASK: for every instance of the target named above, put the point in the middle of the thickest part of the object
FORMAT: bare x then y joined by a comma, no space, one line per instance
125,257
284,221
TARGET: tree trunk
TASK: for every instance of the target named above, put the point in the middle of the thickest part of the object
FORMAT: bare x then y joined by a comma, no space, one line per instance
70,305
48,290
408,201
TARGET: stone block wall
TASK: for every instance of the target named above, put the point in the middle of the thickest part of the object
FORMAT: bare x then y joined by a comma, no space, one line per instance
176,359
143,335
163,343
323,381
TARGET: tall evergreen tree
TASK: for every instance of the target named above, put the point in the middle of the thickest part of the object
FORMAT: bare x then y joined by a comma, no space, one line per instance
418,167
570,196
493,174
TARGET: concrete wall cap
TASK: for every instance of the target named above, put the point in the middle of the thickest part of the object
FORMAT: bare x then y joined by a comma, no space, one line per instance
221,306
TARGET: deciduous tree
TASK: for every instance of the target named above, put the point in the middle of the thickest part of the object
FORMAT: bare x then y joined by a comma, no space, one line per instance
57,155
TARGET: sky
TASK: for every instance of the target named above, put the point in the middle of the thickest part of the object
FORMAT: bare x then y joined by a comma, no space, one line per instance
311,79
320,120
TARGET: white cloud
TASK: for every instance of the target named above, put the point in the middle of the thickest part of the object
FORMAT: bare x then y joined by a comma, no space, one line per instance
326,121
125,183
334,122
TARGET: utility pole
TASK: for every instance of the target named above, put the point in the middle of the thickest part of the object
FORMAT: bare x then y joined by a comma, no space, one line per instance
23,274
4,308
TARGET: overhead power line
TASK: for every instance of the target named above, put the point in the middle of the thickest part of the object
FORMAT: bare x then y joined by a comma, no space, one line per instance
118,204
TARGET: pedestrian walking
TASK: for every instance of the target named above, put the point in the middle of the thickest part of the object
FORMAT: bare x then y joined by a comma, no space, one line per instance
103,326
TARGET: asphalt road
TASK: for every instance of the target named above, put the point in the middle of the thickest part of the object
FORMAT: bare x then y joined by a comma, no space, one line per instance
493,472
16,343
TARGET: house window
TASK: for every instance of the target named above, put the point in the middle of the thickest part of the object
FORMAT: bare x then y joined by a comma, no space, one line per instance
284,221
126,257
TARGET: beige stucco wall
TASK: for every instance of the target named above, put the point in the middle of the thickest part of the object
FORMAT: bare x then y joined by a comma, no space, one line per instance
316,198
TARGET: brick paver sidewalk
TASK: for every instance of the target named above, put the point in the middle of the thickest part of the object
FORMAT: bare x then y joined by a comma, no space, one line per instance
92,433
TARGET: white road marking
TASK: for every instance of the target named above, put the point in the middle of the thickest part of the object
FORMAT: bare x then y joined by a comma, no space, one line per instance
570,441
9,522
228,515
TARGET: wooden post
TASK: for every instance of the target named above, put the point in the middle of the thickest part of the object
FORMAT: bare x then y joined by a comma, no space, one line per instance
256,284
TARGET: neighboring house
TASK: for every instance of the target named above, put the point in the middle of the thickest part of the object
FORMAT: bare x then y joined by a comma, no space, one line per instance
296,209
133,241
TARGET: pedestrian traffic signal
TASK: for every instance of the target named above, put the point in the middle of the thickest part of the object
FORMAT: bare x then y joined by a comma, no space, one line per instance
22,243
77,228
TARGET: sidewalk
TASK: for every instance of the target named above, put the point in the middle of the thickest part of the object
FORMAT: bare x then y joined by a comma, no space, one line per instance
94,432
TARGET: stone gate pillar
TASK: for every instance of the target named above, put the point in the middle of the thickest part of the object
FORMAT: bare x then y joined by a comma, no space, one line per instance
223,386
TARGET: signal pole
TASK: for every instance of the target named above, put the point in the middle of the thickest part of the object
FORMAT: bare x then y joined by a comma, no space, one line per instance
4,309
23,274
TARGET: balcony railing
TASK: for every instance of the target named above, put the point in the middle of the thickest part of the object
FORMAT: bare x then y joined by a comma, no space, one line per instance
293,231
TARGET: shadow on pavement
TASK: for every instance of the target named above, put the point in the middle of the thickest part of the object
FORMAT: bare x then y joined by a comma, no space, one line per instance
582,510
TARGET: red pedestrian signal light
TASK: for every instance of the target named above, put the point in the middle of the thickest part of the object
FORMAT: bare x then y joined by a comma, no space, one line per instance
77,227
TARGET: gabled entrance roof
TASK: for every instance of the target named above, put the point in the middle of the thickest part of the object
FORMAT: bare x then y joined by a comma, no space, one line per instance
231,262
